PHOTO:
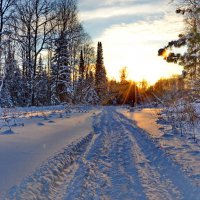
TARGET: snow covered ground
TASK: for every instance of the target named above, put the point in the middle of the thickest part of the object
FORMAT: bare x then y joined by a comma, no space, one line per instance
111,158
146,120
181,149
45,133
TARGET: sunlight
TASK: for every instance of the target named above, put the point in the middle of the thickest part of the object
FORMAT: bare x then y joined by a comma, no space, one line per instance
139,68
165,53
127,93
135,46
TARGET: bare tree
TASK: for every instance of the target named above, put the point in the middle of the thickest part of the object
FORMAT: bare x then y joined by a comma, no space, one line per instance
5,10
32,23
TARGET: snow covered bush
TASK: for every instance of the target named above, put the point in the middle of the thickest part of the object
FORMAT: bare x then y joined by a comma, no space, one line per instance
184,116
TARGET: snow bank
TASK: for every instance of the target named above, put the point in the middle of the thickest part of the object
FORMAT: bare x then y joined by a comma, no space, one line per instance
38,185
25,148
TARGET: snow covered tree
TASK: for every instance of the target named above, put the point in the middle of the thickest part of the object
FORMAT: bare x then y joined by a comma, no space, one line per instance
89,93
41,81
5,16
85,87
66,19
100,74
62,70
69,36
12,88
86,92
35,27
190,39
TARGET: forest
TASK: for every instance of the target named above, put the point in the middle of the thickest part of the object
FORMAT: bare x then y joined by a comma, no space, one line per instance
45,53
47,58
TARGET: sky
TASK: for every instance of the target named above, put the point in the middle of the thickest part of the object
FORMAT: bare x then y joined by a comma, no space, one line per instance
131,32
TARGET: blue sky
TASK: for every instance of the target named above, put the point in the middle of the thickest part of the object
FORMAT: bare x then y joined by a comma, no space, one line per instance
131,32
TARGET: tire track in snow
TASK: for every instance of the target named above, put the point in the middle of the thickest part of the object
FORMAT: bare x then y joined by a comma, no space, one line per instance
51,179
154,185
155,168
120,162
124,163
108,170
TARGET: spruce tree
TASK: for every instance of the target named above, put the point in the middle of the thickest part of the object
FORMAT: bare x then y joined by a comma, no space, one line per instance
61,71
100,74
81,66
12,91
90,95
41,82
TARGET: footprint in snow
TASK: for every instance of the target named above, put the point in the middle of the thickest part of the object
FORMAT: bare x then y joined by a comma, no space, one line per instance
194,153
8,132
51,121
40,124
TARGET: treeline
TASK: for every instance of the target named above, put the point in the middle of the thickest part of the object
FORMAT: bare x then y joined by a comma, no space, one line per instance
46,57
127,92
167,90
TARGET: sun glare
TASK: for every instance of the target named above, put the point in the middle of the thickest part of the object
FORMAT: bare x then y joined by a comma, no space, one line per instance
165,53
151,73
135,45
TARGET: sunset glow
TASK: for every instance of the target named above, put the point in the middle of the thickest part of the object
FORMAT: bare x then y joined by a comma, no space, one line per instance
165,53
131,36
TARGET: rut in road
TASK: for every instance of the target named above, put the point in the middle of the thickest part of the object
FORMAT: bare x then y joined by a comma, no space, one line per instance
118,162
124,163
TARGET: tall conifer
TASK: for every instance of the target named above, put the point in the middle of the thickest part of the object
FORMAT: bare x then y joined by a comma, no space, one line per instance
100,74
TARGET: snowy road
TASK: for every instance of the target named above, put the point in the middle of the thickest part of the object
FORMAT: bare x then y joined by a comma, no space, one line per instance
119,161
123,163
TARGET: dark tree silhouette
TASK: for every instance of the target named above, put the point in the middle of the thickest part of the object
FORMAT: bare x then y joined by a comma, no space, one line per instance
100,75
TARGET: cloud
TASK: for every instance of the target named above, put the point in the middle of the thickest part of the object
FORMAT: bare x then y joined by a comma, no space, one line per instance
91,4
135,45
116,11
132,31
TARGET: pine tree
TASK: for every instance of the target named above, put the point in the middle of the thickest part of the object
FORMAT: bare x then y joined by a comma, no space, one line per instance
81,66
100,74
41,82
12,91
61,70
90,95
190,39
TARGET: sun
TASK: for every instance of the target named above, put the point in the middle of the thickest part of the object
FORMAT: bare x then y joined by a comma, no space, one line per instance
144,69
165,53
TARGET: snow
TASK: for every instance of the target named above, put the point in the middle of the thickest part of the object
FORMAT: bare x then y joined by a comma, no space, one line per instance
146,120
105,153
181,149
40,138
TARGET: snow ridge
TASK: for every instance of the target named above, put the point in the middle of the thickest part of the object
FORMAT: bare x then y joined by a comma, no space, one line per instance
45,179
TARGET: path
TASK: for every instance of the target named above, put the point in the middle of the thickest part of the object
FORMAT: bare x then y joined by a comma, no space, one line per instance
119,162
